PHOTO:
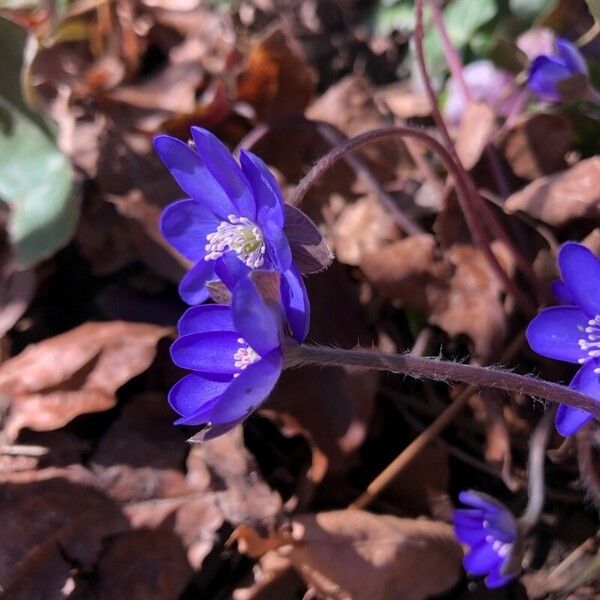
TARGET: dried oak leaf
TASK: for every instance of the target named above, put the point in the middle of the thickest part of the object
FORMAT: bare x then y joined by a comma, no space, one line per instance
536,145
51,520
74,373
355,555
405,269
558,199
276,80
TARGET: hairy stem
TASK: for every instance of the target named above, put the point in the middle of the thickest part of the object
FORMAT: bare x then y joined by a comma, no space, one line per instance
536,481
333,136
454,168
442,370
428,435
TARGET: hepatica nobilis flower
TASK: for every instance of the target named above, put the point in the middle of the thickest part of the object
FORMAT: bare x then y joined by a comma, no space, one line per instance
546,72
490,531
571,332
231,209
235,354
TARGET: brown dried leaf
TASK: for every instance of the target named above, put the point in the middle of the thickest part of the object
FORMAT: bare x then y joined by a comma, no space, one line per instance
74,373
402,101
350,106
276,80
487,408
458,291
352,554
362,227
181,81
475,131
274,579
536,145
472,305
140,456
49,520
139,564
404,269
222,484
558,199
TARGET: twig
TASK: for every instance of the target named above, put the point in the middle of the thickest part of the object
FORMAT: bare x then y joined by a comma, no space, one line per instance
589,35
536,485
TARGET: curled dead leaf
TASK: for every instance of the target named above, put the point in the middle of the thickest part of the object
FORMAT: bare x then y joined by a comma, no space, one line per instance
558,199
74,373
355,555
536,145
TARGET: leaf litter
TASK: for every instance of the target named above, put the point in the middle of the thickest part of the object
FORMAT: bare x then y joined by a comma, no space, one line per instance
99,494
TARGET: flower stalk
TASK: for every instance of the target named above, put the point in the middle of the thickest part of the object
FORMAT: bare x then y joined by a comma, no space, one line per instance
441,370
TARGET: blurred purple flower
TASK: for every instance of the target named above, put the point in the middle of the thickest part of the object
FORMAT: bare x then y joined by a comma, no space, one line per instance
490,531
235,355
486,83
536,41
231,210
547,71
572,332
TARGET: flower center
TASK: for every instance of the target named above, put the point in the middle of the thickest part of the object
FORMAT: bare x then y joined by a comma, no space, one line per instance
591,343
502,549
244,356
240,235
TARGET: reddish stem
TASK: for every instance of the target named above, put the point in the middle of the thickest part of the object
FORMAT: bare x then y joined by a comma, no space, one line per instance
472,201
442,370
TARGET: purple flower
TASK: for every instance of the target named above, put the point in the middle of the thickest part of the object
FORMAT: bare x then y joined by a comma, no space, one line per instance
231,210
235,355
490,531
546,72
572,332
486,83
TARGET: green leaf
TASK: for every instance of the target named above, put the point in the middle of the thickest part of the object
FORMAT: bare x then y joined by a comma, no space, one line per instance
527,10
463,18
35,176
399,15
35,181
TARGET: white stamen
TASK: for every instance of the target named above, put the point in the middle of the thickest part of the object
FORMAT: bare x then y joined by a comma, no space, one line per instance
242,236
244,356
591,343
501,549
